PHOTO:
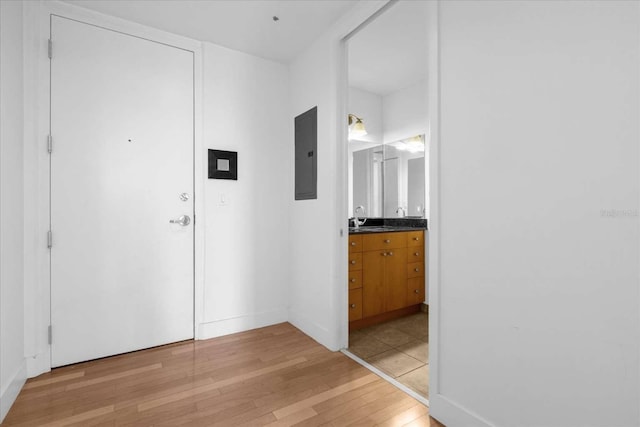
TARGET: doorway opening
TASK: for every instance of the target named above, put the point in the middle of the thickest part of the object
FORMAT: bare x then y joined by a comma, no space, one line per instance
388,194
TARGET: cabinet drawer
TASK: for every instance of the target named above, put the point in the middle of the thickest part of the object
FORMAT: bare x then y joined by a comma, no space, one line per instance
415,269
375,241
355,279
415,290
355,244
355,304
355,261
415,238
416,254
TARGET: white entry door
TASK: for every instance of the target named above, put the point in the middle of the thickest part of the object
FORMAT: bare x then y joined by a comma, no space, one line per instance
121,169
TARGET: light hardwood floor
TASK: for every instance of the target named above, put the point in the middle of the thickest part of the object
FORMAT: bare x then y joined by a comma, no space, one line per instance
271,376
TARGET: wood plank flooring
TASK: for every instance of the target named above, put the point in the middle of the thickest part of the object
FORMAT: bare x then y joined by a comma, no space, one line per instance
275,376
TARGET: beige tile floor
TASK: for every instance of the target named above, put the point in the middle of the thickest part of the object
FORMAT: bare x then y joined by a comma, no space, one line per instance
400,348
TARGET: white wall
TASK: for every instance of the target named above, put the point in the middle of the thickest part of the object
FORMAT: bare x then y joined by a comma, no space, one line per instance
313,228
318,251
246,109
404,112
367,106
538,302
12,361
247,252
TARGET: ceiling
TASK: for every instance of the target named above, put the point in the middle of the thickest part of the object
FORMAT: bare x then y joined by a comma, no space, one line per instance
244,25
390,53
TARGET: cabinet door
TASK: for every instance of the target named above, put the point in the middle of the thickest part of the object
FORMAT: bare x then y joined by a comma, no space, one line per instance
415,269
395,279
355,279
355,244
355,304
415,239
415,290
373,293
355,261
416,254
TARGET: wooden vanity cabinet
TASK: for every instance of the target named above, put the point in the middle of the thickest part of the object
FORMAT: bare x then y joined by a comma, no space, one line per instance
355,278
387,275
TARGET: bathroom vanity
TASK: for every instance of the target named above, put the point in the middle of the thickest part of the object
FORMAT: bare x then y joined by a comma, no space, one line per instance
386,273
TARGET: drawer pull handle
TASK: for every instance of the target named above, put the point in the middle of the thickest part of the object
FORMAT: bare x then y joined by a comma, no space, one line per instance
387,241
416,269
416,291
353,262
416,238
353,280
353,243
417,254
383,254
353,306
390,253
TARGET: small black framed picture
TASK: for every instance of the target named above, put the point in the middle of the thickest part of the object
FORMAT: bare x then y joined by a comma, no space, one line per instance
223,164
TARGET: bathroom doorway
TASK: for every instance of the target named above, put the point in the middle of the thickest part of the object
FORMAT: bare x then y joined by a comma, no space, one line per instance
388,196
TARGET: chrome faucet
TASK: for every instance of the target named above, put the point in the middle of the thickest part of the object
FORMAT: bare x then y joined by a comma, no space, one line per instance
356,221
404,213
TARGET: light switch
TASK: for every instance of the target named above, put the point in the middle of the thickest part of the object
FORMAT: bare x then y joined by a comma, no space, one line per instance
224,200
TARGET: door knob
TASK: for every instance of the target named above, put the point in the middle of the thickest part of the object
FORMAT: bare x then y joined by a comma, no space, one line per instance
184,220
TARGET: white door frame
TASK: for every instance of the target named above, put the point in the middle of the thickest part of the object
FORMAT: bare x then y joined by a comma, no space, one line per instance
37,196
433,138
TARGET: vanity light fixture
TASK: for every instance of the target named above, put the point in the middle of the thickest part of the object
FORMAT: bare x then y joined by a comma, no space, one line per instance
356,127
415,144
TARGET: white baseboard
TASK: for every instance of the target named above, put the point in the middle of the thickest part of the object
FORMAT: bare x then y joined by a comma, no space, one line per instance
451,413
218,328
12,389
38,364
313,330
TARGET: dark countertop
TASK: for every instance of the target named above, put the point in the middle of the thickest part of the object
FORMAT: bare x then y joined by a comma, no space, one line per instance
389,225
363,229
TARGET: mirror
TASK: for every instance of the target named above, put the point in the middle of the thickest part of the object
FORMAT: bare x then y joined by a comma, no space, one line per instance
387,63
389,179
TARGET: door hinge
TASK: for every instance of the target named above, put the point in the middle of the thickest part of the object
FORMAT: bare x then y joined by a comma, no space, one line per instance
49,143
50,335
49,239
50,48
